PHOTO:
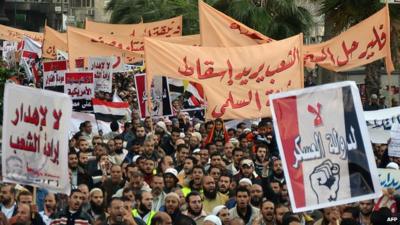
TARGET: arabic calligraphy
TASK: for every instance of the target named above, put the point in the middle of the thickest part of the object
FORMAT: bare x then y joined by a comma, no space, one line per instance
80,91
350,51
205,69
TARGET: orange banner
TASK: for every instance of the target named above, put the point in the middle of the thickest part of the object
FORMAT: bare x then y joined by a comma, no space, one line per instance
53,40
220,30
82,46
363,43
163,28
14,34
184,40
128,43
236,80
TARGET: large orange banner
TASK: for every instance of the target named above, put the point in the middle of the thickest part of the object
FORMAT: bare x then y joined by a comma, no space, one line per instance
83,46
14,34
163,28
220,30
53,40
363,43
237,80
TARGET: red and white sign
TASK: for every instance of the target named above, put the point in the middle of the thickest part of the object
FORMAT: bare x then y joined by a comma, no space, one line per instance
325,146
54,74
80,86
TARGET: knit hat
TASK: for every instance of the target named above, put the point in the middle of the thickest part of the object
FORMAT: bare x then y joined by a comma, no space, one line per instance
213,219
218,209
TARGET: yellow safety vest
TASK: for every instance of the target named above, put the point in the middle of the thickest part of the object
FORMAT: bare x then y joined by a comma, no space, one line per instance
135,213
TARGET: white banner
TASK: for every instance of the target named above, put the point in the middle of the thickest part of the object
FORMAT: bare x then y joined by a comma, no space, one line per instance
394,144
102,68
389,178
379,123
35,138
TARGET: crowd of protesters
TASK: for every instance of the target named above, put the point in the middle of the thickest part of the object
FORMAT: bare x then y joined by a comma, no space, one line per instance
180,170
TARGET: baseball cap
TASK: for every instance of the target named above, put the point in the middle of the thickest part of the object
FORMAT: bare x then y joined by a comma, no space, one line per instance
172,171
247,162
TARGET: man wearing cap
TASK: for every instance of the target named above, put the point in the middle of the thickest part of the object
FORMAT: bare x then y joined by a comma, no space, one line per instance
243,209
212,197
172,207
170,179
223,213
212,220
247,171
373,103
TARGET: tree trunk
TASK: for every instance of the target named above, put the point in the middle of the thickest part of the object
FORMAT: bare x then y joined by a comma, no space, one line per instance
327,76
373,78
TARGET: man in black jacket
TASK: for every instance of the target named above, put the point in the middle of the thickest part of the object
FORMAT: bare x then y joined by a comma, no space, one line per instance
73,214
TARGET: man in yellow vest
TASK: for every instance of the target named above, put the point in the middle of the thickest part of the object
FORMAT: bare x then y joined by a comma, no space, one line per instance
144,207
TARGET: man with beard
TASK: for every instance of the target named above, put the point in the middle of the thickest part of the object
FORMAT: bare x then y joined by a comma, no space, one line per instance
148,169
256,195
247,171
366,208
170,143
73,214
267,214
243,209
119,214
196,184
143,211
195,207
276,178
194,141
114,183
224,183
212,197
149,150
157,190
120,152
280,210
182,152
78,175
170,179
185,174
97,205
234,167
25,216
172,207
8,204
50,208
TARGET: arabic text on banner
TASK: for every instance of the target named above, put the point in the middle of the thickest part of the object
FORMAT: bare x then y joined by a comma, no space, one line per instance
35,138
102,70
237,81
80,86
54,75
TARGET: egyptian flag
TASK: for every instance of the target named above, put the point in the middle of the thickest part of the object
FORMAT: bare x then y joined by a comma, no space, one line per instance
110,111
328,156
